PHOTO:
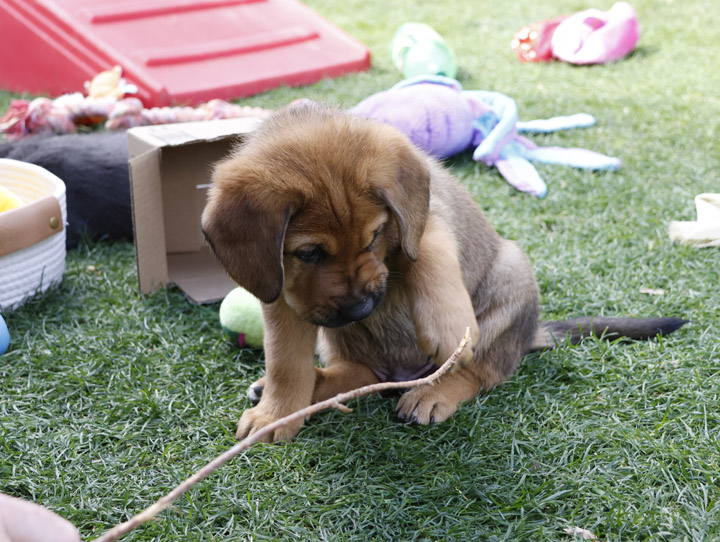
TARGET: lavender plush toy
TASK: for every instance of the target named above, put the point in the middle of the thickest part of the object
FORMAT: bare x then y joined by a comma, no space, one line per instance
442,119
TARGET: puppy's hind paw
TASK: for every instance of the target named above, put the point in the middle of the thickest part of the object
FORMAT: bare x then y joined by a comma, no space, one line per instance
255,391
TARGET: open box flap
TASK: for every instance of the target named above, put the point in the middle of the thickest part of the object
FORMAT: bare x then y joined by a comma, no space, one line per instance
144,138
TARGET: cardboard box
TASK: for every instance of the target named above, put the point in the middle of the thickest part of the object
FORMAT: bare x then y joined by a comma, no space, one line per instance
170,168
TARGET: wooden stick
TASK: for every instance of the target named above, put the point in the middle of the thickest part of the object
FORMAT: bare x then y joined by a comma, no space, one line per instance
334,402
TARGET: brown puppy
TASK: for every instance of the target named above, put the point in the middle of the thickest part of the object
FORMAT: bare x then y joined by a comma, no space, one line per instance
363,249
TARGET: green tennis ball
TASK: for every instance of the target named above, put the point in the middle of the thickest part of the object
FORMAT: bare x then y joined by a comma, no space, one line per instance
241,319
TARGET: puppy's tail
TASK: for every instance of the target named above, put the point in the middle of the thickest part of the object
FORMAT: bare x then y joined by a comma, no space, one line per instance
551,334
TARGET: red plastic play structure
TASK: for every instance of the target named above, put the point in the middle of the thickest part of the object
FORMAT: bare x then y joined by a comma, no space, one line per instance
175,51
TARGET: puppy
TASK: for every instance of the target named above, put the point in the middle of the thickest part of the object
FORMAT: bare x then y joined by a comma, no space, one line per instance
367,251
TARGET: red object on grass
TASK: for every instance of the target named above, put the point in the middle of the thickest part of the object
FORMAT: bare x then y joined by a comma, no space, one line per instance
175,51
532,43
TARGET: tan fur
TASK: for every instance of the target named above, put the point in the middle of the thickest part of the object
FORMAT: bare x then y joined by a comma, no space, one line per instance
397,232
440,306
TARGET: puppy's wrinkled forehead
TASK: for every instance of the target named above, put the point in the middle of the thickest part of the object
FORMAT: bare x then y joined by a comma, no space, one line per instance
335,228
341,209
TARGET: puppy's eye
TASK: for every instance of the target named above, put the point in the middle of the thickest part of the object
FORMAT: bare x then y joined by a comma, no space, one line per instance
376,235
314,255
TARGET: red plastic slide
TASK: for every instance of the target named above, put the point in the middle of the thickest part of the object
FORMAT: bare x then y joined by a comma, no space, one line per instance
175,51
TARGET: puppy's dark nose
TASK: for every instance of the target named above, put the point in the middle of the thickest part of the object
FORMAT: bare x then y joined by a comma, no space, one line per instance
357,310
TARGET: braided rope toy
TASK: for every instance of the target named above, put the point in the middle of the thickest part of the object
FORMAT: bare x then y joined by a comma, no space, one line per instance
105,103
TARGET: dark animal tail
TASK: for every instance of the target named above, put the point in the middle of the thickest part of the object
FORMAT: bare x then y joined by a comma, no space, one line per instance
551,334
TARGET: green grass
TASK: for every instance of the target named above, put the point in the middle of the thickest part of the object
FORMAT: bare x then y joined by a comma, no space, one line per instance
108,399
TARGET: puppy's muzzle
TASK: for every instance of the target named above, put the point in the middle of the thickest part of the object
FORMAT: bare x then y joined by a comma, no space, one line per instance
355,309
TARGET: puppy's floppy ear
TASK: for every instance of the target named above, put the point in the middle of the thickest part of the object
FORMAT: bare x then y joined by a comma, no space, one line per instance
408,197
246,231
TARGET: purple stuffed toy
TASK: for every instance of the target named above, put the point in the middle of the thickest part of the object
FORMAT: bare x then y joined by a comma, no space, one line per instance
442,119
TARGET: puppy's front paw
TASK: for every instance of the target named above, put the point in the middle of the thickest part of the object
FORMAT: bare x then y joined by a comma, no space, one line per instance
425,405
256,418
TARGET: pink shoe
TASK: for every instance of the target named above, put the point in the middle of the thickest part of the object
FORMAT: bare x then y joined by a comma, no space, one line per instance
596,37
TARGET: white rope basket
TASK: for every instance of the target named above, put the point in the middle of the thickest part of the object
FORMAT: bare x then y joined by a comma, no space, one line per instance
32,269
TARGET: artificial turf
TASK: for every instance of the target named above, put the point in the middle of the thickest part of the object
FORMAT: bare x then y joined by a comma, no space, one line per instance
109,398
